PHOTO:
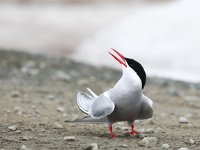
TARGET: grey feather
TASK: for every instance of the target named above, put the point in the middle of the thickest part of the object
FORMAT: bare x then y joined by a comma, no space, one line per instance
84,102
102,106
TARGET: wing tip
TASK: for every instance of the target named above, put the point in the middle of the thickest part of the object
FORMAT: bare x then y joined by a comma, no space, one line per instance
87,98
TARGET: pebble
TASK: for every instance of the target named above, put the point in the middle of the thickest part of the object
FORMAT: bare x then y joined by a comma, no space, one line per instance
92,146
183,120
15,94
141,130
51,97
8,111
33,107
70,118
60,75
12,128
30,68
18,131
17,109
64,115
60,109
23,147
150,130
148,142
183,148
123,146
165,146
69,138
25,138
43,130
191,141
58,126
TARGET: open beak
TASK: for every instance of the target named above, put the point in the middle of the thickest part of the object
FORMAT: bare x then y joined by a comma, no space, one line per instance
120,58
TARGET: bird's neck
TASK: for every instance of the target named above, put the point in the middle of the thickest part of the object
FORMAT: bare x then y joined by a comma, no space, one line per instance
131,79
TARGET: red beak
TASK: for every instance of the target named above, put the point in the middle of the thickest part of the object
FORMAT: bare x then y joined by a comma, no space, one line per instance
121,58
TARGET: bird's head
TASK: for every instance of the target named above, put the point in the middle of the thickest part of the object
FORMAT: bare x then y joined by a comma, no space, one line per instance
128,62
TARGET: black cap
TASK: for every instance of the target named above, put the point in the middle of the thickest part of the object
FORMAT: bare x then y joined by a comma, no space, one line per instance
138,68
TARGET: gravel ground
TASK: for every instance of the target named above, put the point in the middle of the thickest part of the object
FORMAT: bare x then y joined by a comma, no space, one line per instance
37,98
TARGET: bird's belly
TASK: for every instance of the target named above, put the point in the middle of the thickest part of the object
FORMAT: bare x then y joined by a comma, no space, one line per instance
124,113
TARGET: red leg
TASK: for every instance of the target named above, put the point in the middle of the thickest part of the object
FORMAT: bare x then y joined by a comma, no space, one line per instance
133,131
113,135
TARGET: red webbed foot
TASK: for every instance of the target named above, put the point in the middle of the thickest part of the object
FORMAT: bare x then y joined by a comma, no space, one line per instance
133,131
112,135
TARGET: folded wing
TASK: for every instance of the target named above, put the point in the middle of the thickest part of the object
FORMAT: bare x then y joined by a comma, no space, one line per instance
98,107
84,102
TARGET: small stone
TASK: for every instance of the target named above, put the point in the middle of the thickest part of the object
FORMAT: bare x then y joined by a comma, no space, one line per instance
43,130
148,142
17,109
183,120
8,111
58,126
70,118
150,130
60,109
123,146
12,128
25,138
191,141
64,115
165,146
92,146
183,148
18,131
69,138
33,107
23,147
15,94
51,97
30,68
60,75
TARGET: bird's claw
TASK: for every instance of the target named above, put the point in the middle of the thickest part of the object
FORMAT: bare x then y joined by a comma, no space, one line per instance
134,132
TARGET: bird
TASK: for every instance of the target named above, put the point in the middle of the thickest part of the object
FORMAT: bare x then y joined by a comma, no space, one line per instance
124,102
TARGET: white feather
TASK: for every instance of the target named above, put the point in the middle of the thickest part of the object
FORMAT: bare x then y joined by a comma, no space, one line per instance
91,92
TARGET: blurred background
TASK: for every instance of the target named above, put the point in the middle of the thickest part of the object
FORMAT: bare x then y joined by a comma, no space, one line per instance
163,35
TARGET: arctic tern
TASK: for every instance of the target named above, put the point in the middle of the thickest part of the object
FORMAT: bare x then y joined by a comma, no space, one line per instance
124,102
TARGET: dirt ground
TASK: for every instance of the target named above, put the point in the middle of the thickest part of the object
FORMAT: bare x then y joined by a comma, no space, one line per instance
37,99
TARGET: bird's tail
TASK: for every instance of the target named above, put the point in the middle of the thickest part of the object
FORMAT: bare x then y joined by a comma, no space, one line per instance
84,102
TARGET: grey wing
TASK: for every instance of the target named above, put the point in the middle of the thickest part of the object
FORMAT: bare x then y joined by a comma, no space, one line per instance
102,107
146,110
84,102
